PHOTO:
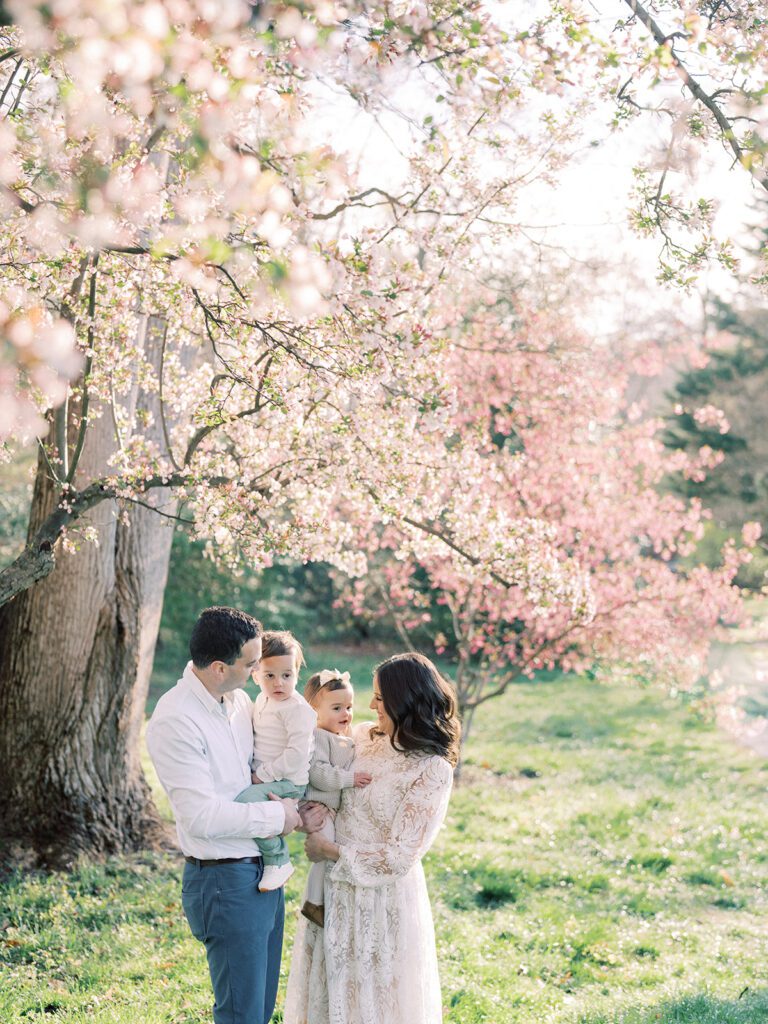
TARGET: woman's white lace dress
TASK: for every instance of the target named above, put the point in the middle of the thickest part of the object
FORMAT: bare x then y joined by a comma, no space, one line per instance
375,960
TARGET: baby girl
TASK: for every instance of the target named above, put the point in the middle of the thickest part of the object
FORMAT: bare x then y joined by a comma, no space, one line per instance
331,769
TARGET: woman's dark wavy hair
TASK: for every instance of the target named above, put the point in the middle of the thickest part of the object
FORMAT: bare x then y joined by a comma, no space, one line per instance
421,704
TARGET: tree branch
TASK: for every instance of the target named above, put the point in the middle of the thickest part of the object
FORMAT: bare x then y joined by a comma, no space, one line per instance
161,399
397,619
449,542
38,559
695,89
86,377
154,508
22,88
9,83
13,195
356,200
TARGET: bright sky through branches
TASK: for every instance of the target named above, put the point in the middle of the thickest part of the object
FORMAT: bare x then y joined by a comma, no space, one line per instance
575,216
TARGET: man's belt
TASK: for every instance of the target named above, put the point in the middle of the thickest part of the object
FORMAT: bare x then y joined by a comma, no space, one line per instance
222,860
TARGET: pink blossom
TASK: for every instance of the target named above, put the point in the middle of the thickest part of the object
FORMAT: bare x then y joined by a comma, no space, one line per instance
751,533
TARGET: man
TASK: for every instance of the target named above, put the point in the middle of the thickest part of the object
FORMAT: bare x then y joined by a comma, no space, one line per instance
200,739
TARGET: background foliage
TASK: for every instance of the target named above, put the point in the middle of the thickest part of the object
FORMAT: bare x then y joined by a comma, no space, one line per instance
734,381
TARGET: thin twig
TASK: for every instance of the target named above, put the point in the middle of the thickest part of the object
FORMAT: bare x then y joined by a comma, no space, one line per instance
154,508
20,93
9,83
161,399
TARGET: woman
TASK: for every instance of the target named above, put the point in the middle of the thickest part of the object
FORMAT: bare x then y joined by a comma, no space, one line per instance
375,960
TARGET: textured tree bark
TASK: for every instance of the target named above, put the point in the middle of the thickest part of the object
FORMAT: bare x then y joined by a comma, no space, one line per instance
76,656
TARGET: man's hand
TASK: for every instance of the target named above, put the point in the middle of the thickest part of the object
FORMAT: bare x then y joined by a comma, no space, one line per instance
362,779
312,816
292,817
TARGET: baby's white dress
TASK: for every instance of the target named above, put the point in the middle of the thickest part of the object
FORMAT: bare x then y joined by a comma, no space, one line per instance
375,960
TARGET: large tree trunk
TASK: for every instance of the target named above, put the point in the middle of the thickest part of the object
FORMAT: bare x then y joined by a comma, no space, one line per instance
76,655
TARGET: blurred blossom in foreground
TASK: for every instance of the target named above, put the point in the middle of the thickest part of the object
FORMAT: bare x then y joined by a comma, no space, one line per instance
39,359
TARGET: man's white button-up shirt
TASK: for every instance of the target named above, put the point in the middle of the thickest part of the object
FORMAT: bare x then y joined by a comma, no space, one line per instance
202,749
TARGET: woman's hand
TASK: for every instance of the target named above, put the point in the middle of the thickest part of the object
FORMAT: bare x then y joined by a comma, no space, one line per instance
318,848
312,816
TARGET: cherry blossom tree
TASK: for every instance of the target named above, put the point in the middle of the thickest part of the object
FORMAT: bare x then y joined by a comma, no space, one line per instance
545,435
244,321
208,301
160,159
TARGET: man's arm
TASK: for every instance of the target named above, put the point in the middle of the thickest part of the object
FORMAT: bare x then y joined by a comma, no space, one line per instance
182,767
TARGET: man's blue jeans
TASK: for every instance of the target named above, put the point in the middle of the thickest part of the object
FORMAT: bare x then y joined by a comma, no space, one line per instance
242,930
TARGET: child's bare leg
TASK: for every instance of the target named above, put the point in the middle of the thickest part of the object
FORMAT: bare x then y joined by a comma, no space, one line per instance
313,908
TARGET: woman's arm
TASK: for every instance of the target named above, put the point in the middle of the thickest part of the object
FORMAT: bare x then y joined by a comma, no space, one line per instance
413,830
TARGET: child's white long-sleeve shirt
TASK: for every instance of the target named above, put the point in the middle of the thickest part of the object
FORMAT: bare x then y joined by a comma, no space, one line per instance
283,738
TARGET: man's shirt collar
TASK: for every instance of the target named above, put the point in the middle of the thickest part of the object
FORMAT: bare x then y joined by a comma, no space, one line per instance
196,686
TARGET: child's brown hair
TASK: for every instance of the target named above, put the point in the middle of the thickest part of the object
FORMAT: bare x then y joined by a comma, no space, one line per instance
315,684
276,643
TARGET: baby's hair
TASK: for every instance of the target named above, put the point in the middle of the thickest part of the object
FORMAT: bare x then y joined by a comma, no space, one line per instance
276,643
313,686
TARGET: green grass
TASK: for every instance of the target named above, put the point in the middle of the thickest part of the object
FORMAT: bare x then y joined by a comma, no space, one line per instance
604,861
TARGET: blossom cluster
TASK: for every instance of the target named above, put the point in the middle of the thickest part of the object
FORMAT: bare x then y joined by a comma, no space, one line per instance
39,358
564,551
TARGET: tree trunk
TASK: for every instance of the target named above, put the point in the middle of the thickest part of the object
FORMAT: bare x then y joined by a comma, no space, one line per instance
466,715
76,656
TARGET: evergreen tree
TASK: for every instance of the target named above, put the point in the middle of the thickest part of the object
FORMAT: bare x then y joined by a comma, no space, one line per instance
734,381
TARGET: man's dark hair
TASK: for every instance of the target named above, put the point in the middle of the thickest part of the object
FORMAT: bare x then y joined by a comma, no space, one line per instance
219,635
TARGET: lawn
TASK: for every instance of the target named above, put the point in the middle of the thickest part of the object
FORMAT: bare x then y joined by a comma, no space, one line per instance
604,861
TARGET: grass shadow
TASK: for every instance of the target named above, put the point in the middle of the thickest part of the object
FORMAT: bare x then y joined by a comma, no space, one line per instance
749,1007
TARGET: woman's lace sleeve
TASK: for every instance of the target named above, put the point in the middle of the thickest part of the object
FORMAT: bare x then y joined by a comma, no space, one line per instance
412,832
